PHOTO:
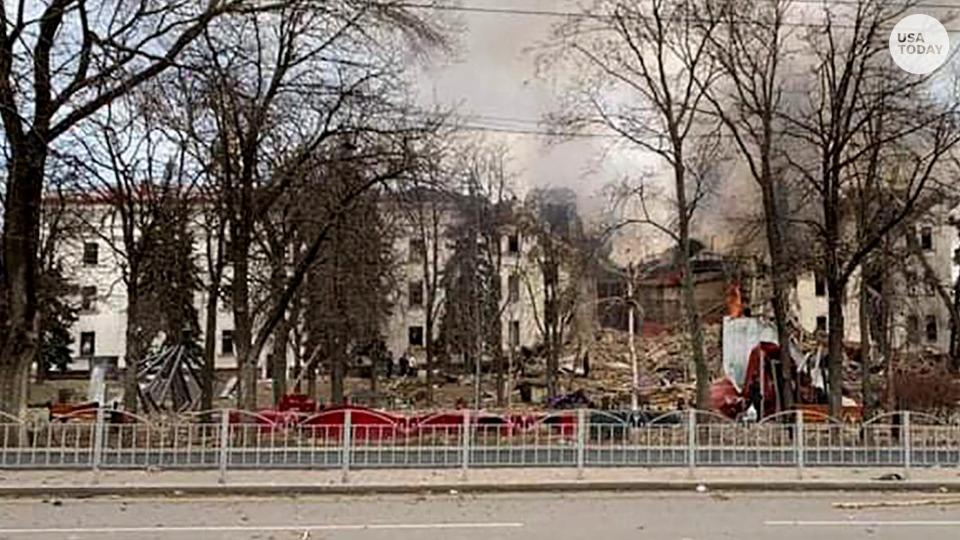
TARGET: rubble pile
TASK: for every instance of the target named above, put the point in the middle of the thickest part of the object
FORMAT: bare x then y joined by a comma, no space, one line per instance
667,374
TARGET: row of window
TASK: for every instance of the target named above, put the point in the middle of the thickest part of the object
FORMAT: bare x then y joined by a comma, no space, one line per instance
88,343
91,250
926,244
931,328
914,286
415,291
415,335
418,248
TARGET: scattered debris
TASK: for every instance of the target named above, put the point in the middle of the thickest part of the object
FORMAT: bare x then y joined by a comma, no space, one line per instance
170,379
895,504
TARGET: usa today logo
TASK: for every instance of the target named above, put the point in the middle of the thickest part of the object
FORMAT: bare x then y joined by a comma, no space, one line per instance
919,44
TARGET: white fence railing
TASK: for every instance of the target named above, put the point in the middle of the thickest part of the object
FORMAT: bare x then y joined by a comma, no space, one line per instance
225,440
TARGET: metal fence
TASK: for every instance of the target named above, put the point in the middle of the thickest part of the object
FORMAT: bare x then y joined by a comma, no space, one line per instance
227,440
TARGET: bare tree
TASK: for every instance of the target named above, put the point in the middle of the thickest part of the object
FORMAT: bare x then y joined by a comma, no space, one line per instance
645,67
550,225
864,123
487,171
130,172
345,289
426,209
751,45
285,84
60,62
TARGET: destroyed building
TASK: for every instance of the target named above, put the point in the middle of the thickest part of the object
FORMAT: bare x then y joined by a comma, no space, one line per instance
659,289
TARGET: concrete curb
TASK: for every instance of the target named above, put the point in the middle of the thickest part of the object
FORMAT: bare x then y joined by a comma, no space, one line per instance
249,490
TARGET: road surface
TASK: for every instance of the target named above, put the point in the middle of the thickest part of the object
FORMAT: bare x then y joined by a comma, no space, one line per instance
591,516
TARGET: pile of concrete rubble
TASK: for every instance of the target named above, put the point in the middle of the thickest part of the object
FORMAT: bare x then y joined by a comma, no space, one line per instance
667,375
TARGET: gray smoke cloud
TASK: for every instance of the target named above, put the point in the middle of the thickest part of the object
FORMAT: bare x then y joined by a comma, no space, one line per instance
492,82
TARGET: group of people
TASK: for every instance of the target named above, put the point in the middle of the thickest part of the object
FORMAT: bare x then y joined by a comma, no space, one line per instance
405,366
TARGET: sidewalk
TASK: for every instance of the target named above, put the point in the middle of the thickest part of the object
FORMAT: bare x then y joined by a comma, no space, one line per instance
292,482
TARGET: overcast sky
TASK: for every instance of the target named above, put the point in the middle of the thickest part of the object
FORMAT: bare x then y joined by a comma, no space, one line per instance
492,82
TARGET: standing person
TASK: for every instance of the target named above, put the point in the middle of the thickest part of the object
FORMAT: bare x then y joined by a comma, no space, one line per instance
404,365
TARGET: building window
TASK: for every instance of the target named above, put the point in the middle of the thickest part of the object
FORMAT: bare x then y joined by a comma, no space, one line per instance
931,329
226,342
819,284
514,333
88,343
88,298
415,293
926,238
91,254
913,329
513,288
417,249
911,283
415,336
513,243
821,324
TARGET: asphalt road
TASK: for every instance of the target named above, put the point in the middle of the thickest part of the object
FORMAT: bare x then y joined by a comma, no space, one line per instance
598,516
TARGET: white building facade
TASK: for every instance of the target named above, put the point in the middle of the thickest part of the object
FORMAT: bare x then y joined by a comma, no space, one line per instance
921,319
94,262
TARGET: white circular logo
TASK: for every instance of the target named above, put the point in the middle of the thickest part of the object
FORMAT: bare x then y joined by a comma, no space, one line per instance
919,44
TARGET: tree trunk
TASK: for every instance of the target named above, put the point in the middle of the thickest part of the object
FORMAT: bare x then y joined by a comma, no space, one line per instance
243,322
311,376
696,336
428,323
550,330
955,329
778,257
21,233
134,348
43,370
885,338
337,369
278,360
867,397
835,345
691,311
13,388
498,359
374,363
209,351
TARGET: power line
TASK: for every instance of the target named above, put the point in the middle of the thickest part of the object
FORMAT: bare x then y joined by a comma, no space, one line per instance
566,14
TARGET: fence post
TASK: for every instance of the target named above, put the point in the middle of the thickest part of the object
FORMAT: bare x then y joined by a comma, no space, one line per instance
582,428
97,456
800,443
907,445
224,444
347,443
465,444
691,442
